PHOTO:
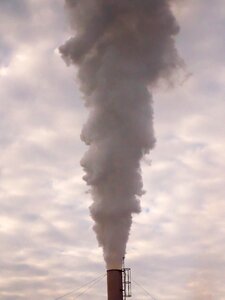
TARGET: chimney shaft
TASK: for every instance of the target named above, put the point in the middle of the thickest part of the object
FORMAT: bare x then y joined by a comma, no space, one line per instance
114,284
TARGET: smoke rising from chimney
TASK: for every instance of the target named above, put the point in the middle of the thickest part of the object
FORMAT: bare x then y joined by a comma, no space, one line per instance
122,48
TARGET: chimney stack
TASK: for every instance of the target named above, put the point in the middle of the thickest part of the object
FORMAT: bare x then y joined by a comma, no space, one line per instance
114,284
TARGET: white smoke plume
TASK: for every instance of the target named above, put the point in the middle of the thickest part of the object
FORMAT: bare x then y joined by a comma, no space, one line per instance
121,48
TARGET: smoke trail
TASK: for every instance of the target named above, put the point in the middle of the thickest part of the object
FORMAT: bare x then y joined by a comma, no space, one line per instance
121,47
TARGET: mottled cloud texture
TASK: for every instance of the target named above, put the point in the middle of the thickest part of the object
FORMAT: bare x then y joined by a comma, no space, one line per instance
176,249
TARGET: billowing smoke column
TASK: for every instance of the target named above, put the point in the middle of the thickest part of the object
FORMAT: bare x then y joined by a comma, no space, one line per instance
122,48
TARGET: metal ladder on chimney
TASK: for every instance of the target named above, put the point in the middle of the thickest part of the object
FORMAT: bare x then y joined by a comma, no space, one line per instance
126,282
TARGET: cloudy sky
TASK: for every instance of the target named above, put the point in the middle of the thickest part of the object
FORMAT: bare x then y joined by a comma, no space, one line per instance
177,245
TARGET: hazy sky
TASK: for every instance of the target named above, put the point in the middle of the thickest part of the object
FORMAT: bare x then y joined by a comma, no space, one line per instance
47,246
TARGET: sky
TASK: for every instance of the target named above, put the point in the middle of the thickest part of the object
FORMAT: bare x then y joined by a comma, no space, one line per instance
177,245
